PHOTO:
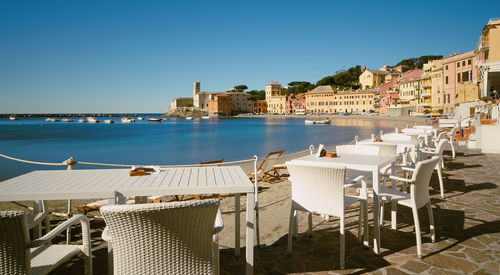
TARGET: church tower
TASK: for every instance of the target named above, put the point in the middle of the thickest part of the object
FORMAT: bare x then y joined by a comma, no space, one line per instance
196,94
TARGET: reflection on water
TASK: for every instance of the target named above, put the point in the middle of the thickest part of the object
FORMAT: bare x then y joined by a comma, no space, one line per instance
175,141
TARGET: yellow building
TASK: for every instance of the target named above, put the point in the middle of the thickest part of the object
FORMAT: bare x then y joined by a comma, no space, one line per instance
372,78
436,73
409,92
425,97
276,101
466,92
487,58
324,99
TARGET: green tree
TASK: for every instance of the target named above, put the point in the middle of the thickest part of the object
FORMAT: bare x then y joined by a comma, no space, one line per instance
257,95
241,88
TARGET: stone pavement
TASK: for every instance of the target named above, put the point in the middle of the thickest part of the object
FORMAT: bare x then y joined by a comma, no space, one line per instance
467,226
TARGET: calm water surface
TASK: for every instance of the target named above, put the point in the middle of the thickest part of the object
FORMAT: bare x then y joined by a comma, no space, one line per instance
176,141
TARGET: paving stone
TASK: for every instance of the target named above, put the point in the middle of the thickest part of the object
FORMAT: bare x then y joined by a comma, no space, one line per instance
449,262
415,266
394,271
439,271
476,255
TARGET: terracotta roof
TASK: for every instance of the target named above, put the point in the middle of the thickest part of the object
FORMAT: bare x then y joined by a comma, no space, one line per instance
321,90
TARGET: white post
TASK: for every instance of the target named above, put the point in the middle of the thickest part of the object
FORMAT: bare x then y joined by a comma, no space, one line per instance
256,188
356,138
311,149
373,137
485,81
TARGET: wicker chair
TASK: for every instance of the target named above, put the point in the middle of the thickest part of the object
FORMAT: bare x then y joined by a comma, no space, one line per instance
416,199
19,255
320,190
163,238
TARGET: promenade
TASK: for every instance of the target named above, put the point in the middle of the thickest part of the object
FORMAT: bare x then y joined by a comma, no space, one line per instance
467,226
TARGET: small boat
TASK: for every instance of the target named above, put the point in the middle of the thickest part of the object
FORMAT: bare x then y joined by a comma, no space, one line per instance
109,121
82,120
127,120
140,118
92,119
67,120
205,117
153,119
51,119
189,118
324,121
13,118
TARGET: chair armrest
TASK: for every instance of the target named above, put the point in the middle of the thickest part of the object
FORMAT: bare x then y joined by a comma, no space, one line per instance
363,193
219,222
401,179
428,150
47,238
35,219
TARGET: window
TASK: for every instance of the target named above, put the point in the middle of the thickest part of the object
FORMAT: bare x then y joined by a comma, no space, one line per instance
469,62
465,76
458,64
463,63
446,79
458,77
446,67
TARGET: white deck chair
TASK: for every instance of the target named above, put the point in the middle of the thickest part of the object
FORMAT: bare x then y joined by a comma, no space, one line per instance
438,151
416,199
451,138
320,190
163,238
397,136
19,255
358,149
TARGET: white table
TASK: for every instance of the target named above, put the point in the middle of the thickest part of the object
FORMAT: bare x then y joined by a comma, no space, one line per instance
102,183
363,163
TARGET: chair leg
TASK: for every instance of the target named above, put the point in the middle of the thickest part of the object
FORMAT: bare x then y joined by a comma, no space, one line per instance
381,222
215,251
394,215
452,149
310,221
440,177
342,243
296,224
417,231
366,233
431,222
47,224
361,210
290,230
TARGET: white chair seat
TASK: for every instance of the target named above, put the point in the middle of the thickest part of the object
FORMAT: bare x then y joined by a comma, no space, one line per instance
47,257
395,195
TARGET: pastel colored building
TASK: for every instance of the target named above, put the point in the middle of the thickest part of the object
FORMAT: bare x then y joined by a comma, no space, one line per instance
323,99
220,104
488,58
260,106
374,78
276,102
425,97
295,103
389,92
409,91
436,73
201,99
240,102
457,69
180,102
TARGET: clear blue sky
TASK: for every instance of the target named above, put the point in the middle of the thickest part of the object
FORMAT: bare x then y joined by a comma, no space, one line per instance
136,56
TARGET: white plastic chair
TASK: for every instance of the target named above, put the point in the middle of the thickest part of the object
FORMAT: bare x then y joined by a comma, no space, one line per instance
416,199
163,238
438,151
320,190
357,149
397,136
19,255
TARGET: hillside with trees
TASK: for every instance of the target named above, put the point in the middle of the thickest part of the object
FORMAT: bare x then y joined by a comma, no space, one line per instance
418,62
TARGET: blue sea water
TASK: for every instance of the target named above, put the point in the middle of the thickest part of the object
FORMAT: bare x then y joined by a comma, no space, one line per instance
175,141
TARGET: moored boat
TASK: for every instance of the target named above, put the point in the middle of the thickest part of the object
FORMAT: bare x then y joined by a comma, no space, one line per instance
51,119
189,118
154,119
13,118
82,120
127,120
92,119
67,120
140,118
324,121
205,117
109,121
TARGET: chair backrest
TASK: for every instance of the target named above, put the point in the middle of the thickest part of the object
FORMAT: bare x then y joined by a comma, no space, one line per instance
426,127
218,162
440,147
397,136
422,177
386,149
270,160
14,239
318,189
358,149
162,238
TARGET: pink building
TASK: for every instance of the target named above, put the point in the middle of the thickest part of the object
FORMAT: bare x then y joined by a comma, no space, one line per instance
294,103
456,69
388,93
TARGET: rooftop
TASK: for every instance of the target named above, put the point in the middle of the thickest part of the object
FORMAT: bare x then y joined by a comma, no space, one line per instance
321,90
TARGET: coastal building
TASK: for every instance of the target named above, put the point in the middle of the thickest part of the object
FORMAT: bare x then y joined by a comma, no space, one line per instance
390,97
220,105
180,102
374,78
201,99
296,104
408,87
457,69
276,101
240,102
425,97
260,106
436,73
487,60
323,99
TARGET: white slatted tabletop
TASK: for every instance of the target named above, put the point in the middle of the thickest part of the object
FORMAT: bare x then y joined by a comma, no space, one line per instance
101,183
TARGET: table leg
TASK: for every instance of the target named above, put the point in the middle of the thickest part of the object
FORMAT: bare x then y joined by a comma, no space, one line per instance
236,224
37,230
249,232
376,214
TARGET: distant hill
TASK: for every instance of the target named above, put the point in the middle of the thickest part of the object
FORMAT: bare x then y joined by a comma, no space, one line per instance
418,62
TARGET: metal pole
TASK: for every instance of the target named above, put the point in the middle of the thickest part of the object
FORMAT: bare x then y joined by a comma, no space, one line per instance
311,149
69,166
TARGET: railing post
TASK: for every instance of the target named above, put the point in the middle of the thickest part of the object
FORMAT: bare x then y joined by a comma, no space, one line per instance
311,149
256,188
356,138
